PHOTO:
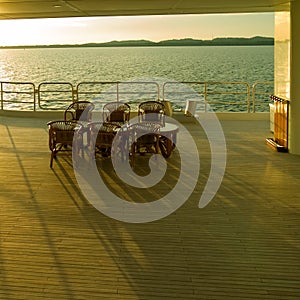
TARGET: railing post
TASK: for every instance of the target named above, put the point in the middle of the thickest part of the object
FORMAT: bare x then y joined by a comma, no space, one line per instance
253,96
74,94
248,97
205,96
34,97
1,96
117,90
254,92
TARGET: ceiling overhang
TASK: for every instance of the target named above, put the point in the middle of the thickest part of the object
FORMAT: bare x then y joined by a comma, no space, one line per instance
31,9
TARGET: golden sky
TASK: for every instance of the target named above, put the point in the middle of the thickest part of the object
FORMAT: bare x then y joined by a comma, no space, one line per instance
154,28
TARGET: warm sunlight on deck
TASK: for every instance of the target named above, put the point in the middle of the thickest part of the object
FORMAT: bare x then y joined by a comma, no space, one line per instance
58,246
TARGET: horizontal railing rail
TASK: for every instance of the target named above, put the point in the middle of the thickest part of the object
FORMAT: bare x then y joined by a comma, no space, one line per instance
209,95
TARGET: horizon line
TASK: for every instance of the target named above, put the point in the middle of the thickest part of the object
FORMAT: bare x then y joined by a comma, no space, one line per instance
137,40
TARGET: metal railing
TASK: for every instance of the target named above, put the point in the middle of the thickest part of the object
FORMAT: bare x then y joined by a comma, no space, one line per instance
60,92
210,95
116,91
260,92
16,93
217,96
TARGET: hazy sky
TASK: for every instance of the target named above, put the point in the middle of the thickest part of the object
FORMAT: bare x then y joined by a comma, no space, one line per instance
154,28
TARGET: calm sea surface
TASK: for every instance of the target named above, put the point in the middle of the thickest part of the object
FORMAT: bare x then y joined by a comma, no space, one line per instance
214,63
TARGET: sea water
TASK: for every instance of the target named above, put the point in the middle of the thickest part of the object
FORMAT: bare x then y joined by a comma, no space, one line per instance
193,63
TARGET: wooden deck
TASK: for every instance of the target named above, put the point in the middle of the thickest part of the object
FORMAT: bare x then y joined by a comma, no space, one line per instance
55,245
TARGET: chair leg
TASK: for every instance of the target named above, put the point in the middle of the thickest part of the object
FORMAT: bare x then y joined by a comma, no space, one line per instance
132,154
51,159
157,149
53,155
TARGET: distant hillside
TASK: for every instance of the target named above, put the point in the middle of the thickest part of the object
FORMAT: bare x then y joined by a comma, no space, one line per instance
219,42
229,41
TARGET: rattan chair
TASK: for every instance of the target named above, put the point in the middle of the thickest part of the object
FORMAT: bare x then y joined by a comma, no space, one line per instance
102,136
152,111
79,110
116,112
144,138
61,135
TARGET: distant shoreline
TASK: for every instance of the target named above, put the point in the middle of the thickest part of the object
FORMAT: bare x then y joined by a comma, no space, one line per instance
254,41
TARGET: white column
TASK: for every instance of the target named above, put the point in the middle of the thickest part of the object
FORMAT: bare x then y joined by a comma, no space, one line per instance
294,125
282,55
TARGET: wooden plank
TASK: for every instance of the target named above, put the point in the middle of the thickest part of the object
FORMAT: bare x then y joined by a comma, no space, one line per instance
55,245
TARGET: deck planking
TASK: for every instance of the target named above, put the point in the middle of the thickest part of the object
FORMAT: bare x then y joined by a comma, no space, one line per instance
55,245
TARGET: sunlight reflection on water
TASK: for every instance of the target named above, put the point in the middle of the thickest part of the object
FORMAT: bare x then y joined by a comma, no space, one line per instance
224,63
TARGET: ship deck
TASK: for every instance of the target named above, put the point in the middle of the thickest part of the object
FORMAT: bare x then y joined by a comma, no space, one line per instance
243,245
